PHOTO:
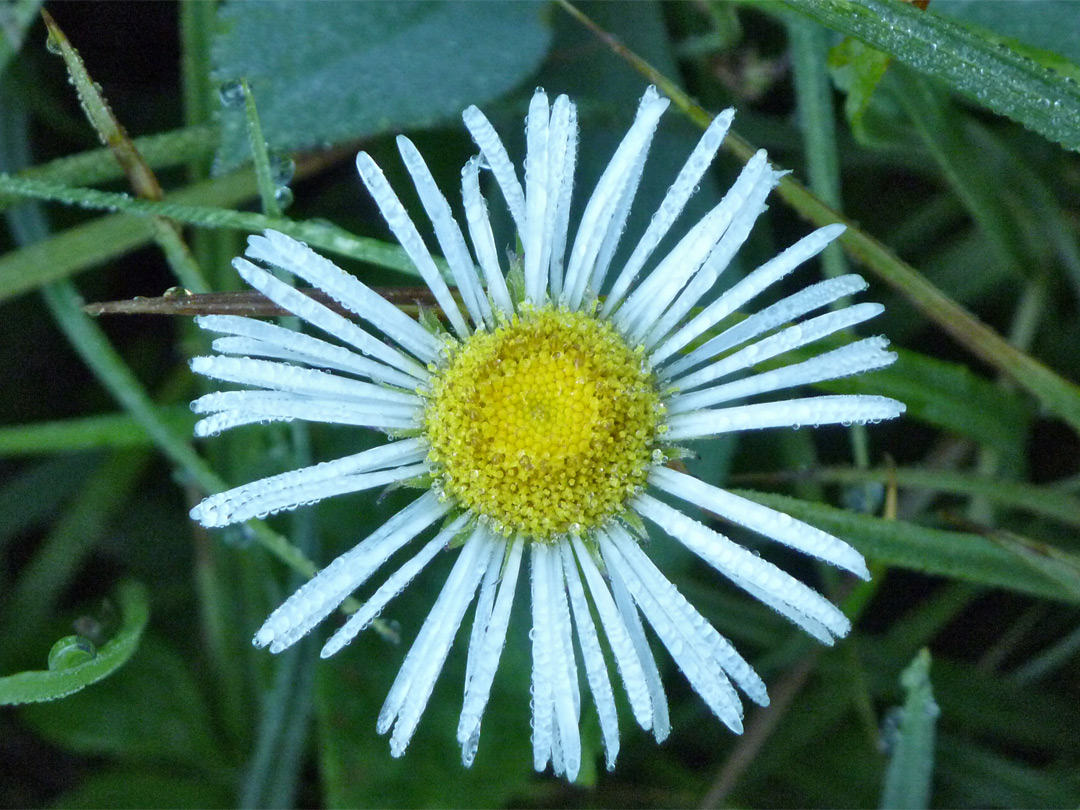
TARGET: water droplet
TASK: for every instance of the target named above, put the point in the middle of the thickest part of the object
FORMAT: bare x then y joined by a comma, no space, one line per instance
231,94
52,45
284,196
282,168
70,651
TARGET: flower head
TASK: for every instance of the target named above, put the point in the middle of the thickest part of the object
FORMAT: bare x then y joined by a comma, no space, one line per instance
544,416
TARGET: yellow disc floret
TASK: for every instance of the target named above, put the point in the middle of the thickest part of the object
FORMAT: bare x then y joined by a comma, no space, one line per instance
545,425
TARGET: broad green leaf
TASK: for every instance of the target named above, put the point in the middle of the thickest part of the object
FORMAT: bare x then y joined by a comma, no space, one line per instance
911,765
957,555
989,73
152,710
330,72
45,685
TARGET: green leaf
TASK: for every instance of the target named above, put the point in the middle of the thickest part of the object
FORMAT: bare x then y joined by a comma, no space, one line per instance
152,710
907,780
1051,25
971,62
857,69
958,555
44,685
330,72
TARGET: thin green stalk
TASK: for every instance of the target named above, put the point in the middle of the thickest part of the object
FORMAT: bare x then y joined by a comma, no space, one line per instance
817,117
261,157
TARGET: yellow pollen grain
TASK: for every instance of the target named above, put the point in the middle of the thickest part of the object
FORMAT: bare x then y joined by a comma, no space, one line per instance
545,425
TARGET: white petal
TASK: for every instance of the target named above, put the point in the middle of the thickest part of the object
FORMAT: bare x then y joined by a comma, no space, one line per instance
734,237
564,136
785,340
543,652
433,643
674,202
748,571
476,214
401,225
661,723
593,658
393,585
783,311
567,693
264,338
657,290
491,146
826,410
296,257
332,323
622,646
263,403
855,358
618,220
754,283
447,231
316,599
692,624
485,603
261,407
387,463
604,218
761,519
297,380
486,656
537,195
691,652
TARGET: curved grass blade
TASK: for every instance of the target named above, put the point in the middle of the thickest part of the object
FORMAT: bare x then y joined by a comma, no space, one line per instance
41,685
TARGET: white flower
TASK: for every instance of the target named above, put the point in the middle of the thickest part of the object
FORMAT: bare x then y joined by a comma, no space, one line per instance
543,421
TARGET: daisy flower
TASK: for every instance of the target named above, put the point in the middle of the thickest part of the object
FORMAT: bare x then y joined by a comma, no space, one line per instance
540,419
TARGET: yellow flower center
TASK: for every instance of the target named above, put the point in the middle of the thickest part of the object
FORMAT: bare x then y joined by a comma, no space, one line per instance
545,425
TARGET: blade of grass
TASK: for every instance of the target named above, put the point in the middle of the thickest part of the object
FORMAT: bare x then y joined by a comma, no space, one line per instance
43,685
114,430
911,766
1043,501
29,267
957,555
58,558
984,68
139,174
161,151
